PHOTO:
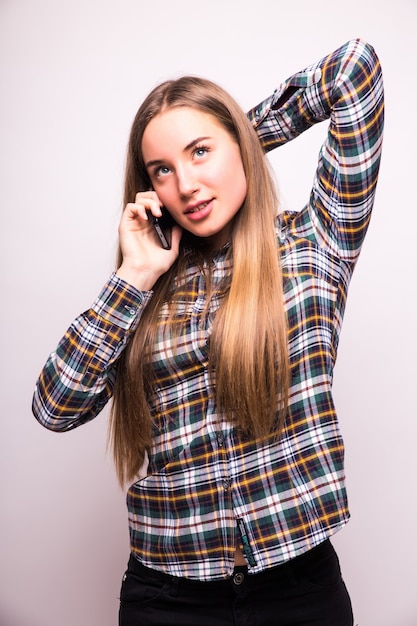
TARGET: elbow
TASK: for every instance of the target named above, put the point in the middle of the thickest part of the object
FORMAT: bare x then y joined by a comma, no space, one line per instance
370,71
50,419
368,57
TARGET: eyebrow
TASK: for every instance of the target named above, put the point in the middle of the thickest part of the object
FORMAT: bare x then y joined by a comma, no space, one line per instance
188,147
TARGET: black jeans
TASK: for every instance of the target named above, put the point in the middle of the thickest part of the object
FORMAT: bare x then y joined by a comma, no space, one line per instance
306,591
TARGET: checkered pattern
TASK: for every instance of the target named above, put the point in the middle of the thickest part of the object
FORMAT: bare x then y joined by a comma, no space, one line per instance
204,480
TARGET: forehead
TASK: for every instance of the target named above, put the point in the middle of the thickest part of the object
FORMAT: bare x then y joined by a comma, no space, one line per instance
176,127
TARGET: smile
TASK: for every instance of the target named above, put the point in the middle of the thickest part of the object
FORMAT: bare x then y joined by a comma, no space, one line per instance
196,208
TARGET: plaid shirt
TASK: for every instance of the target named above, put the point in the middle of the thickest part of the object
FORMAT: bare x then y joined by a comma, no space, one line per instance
206,488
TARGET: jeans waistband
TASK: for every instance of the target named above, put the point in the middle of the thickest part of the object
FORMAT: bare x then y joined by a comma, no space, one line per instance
283,570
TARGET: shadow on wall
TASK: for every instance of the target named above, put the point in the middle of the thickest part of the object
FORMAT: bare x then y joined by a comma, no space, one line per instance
7,619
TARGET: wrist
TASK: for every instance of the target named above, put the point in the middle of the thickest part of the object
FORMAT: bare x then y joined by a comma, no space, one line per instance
141,279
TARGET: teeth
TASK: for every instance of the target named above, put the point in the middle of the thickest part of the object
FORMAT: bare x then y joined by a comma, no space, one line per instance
198,208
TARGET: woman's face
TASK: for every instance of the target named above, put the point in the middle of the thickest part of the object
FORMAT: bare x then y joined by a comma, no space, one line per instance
196,169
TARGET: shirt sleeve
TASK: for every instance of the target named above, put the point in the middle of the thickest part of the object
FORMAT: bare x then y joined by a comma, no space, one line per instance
345,87
78,378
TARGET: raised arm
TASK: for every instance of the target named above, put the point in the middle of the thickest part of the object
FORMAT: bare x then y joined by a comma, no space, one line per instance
345,87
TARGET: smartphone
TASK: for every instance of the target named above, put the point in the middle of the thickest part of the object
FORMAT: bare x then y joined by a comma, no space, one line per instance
162,226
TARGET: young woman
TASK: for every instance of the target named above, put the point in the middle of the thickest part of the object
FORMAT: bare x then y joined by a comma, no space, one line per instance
219,351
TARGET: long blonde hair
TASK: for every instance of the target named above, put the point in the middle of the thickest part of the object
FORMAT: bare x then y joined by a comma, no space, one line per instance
248,356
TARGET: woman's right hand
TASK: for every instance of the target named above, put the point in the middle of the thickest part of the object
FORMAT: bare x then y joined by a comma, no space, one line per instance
144,259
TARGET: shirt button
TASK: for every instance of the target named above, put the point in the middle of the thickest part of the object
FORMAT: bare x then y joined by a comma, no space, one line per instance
226,484
131,310
220,441
238,578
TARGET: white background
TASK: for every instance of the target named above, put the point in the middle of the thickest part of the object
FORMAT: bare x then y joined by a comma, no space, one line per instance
72,75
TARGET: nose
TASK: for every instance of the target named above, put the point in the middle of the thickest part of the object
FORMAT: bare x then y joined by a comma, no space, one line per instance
186,180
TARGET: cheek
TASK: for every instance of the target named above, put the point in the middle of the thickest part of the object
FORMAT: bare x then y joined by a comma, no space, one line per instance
236,171
243,186
231,177
237,175
167,195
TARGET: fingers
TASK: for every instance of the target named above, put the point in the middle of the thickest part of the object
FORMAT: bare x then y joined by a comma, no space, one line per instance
176,235
135,213
148,201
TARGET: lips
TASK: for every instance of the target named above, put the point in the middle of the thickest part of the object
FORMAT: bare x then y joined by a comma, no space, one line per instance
199,211
196,208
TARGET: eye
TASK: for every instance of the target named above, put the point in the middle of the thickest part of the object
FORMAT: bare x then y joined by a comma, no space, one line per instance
161,170
201,151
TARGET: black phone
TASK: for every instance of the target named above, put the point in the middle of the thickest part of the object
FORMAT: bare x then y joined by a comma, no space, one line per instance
163,227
